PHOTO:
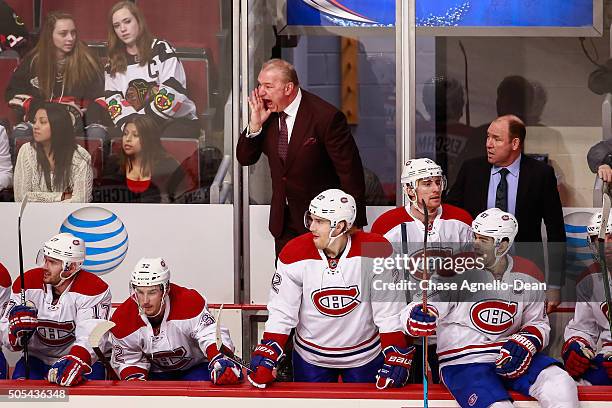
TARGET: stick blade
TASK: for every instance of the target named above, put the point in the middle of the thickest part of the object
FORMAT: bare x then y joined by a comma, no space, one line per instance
99,331
605,212
23,205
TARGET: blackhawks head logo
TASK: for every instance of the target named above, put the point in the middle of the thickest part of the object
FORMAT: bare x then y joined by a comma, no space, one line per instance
114,109
163,100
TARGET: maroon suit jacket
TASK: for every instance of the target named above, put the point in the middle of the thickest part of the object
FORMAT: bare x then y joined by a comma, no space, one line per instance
322,155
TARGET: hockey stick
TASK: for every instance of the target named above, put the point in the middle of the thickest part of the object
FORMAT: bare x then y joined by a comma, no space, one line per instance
605,215
95,337
26,359
424,296
223,349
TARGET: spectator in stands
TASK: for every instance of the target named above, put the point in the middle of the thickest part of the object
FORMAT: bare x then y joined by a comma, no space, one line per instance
143,171
62,69
14,34
145,76
6,166
600,159
53,167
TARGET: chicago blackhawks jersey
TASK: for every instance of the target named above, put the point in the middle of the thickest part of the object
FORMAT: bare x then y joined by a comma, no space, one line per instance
590,323
338,321
187,331
64,326
158,87
477,317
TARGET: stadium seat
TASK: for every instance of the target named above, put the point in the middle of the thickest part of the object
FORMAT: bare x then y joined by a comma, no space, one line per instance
185,151
92,145
197,73
90,16
7,66
25,10
188,23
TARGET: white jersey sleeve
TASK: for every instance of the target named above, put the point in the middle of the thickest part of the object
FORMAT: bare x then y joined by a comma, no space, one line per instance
285,299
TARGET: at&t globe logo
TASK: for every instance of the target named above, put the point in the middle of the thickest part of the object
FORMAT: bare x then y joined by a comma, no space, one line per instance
104,234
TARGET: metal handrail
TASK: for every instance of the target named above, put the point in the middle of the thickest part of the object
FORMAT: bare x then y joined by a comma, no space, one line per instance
215,187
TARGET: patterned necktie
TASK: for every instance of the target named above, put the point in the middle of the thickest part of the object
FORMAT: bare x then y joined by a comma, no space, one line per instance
283,136
501,196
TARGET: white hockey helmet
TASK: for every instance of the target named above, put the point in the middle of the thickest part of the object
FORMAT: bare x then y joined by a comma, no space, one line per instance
64,247
498,225
595,224
334,205
418,169
150,272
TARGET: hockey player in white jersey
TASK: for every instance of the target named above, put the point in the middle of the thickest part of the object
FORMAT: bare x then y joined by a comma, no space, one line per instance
321,288
423,180
590,325
5,295
491,340
165,332
63,305
448,230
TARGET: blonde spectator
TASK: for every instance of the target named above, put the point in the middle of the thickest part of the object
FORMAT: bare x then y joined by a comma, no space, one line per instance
53,167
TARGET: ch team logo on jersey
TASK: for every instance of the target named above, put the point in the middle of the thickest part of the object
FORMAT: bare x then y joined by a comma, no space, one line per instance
170,360
493,316
55,334
336,301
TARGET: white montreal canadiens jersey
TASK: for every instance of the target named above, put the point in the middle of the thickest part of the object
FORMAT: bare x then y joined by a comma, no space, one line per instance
329,302
64,327
590,317
472,327
161,84
185,333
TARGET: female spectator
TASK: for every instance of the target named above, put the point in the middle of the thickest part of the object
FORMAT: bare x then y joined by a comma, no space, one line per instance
143,171
62,69
53,167
145,76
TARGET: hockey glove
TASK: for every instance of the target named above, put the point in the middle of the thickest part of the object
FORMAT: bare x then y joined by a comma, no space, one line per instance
577,355
420,323
68,371
607,363
515,355
22,324
265,358
396,368
224,371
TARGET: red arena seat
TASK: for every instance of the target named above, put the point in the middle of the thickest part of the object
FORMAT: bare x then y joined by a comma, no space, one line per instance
188,23
90,16
197,73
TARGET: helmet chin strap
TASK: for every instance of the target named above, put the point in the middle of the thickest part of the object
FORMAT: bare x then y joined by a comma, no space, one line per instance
65,267
161,306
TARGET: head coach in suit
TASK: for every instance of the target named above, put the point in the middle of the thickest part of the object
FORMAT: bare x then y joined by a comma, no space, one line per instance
523,186
309,147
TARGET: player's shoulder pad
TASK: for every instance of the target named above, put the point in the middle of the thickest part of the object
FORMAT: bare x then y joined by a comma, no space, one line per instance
526,266
5,277
33,280
370,245
451,212
299,249
184,303
88,284
593,268
127,319
390,219
163,49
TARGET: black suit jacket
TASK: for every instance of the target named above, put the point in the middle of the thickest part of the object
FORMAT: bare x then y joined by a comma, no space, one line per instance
322,155
537,199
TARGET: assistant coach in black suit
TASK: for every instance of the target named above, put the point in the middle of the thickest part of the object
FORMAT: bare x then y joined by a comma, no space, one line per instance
309,146
526,187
